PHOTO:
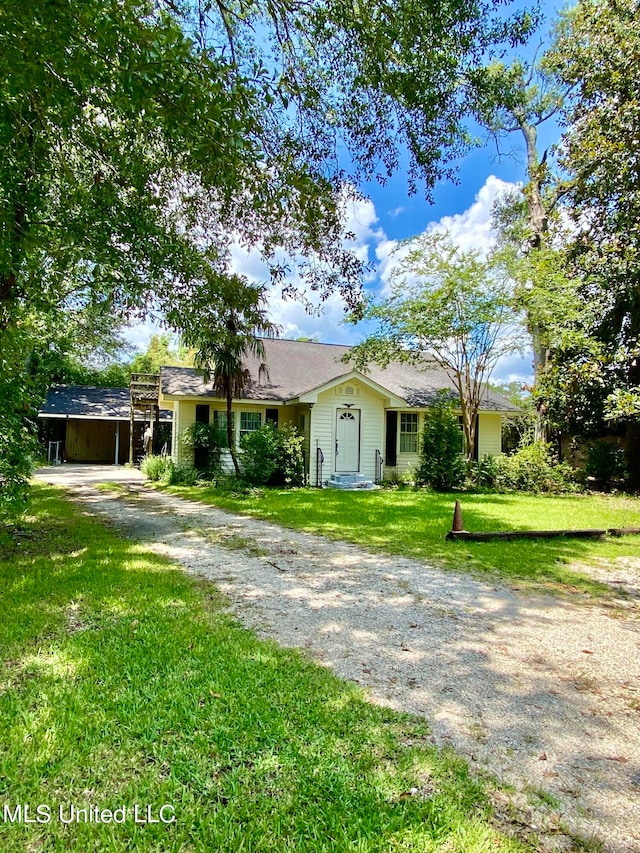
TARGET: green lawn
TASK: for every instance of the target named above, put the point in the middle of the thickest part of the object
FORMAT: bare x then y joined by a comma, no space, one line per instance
124,682
414,523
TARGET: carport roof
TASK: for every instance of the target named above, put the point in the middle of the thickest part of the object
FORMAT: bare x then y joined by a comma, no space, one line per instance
90,402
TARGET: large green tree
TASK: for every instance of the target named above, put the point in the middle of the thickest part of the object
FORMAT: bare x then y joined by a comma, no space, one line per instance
517,99
129,155
597,52
140,138
131,152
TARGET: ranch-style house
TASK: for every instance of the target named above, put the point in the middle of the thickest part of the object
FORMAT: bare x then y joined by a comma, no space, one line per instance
353,423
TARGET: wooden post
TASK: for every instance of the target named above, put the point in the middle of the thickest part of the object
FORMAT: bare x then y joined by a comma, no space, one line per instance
131,424
458,526
156,428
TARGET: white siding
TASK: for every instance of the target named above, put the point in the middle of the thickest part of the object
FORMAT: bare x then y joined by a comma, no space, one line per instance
320,429
321,437
489,442
323,427
187,417
175,432
295,415
489,434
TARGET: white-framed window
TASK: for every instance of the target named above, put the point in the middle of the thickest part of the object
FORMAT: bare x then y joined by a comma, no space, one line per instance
408,432
220,422
249,422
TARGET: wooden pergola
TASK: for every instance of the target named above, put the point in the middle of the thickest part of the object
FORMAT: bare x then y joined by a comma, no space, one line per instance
144,389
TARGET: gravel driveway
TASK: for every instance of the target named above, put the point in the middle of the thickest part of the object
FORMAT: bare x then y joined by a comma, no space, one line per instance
540,692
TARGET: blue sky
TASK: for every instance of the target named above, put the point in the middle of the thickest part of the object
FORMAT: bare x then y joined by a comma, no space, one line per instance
388,214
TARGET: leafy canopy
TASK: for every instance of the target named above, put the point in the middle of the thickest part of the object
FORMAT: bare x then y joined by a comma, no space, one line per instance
139,139
598,51
449,304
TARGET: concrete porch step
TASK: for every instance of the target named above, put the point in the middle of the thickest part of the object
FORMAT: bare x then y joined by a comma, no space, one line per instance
349,482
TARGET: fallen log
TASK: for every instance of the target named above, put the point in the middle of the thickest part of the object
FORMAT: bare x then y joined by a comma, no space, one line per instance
595,533
458,532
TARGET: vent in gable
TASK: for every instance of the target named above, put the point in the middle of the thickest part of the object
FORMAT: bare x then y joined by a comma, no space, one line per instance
348,391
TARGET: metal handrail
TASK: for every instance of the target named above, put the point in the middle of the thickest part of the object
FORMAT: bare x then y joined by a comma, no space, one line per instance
319,463
378,468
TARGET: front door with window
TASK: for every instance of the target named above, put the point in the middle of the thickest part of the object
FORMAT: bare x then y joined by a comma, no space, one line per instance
348,440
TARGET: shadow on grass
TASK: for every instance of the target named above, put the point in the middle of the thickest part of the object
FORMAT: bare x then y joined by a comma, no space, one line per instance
133,686
415,524
420,640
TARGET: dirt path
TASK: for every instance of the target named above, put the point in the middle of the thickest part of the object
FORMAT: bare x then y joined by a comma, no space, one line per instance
540,692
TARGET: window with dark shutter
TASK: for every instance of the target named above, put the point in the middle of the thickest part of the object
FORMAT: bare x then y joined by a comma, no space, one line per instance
202,414
390,453
271,416
201,454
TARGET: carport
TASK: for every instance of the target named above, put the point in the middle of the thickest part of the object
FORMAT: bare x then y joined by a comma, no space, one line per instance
92,424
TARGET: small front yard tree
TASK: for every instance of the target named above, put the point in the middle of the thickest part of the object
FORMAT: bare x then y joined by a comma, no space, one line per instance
453,306
441,463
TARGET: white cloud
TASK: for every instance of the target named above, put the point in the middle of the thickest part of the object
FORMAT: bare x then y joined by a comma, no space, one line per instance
139,335
472,229
514,368
360,223
469,230
296,322
248,262
360,219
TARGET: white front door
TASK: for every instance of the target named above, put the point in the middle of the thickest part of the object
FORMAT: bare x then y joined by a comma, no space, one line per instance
348,440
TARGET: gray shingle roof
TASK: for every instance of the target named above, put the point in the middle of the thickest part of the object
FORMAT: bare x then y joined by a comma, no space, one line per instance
89,401
296,367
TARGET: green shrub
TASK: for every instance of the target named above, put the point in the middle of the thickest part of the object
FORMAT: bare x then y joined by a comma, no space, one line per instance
180,475
605,462
273,456
203,437
441,463
483,474
534,469
206,441
154,467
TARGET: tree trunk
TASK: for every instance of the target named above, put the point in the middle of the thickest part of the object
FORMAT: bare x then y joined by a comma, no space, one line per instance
469,413
8,276
539,226
230,435
538,216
